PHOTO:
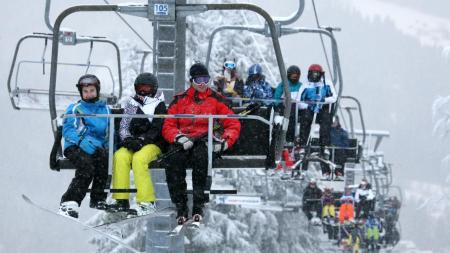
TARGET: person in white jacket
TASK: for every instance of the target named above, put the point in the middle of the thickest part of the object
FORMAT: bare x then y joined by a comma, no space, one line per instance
364,198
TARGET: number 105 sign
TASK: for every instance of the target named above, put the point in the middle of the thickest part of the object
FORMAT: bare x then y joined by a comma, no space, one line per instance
161,9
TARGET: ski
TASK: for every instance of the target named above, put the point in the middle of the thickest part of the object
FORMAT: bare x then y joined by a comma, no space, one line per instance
104,234
195,225
180,228
132,218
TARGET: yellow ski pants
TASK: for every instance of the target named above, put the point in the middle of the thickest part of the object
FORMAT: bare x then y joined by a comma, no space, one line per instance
328,210
124,160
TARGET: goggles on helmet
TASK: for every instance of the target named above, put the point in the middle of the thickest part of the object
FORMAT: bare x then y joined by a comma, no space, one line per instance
201,79
88,81
229,65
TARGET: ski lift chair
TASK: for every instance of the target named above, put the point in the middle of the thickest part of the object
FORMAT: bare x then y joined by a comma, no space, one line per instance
24,96
251,148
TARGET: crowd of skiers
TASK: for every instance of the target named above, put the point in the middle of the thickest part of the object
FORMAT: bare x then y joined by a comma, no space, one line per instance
143,139
351,218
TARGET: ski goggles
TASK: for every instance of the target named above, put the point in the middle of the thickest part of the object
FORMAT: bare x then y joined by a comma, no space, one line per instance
201,79
254,77
88,81
229,65
145,89
316,75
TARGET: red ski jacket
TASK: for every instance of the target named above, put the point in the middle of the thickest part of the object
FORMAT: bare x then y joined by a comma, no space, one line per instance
194,102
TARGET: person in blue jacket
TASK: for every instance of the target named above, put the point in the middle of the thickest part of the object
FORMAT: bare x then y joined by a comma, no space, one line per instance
318,97
85,143
339,139
256,87
293,75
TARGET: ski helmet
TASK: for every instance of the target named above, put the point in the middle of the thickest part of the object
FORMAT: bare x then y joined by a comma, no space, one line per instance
315,73
255,69
198,69
293,70
146,84
88,80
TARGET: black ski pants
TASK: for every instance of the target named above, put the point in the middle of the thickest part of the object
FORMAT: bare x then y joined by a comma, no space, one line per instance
312,206
89,168
197,159
323,119
365,206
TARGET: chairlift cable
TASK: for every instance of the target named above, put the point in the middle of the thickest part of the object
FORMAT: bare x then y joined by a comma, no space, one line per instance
131,28
265,63
321,39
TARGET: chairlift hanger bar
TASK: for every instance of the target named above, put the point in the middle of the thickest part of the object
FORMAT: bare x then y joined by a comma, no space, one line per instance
52,37
360,115
188,9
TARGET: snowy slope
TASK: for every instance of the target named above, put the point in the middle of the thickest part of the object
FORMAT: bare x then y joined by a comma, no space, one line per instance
429,30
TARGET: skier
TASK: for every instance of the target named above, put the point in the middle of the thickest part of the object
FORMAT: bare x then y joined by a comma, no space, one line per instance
141,143
293,75
364,198
373,229
312,196
328,209
188,133
318,96
347,210
256,86
85,143
338,138
230,84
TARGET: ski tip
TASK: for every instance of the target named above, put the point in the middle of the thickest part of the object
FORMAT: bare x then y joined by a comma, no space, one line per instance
24,197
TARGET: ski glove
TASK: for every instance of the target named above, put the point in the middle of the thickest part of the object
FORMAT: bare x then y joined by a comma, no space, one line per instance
89,145
184,141
220,145
133,144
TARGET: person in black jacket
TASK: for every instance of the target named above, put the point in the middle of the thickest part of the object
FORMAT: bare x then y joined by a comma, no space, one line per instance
141,143
312,199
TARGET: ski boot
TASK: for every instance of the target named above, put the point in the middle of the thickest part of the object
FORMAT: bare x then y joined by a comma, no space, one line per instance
69,208
120,206
197,213
145,208
100,205
182,214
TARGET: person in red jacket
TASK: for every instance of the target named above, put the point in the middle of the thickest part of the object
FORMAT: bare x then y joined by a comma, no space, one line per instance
188,133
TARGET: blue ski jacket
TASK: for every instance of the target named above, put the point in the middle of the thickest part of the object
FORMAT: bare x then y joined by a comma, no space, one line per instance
94,129
319,92
258,89
339,137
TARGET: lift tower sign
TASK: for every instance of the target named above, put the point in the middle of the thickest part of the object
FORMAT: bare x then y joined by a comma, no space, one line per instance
161,10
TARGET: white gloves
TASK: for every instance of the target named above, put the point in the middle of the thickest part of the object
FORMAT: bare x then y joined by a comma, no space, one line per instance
219,145
184,141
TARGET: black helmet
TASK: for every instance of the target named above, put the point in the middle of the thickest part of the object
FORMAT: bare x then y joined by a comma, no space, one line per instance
198,69
88,80
146,79
293,70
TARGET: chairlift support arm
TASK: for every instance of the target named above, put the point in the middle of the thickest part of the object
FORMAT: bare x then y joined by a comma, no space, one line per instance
363,125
